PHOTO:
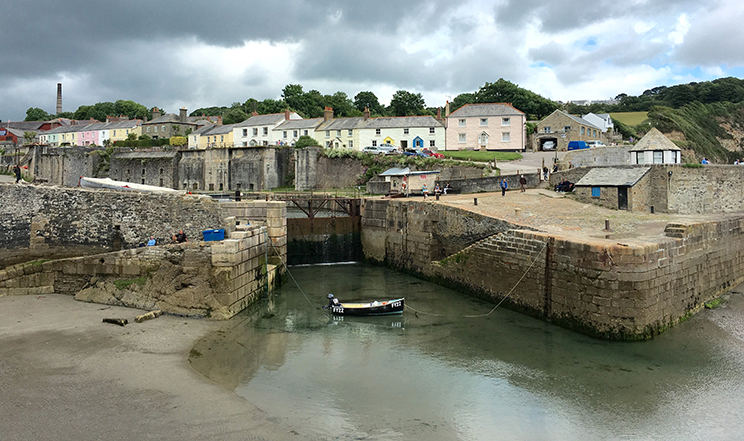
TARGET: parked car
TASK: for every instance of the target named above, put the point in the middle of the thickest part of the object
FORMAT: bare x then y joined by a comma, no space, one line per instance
577,145
383,149
431,153
548,145
412,152
595,144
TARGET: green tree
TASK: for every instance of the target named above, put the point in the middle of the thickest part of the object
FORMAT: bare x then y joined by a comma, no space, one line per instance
306,141
130,109
178,141
234,116
368,100
503,91
341,105
269,105
406,103
461,100
36,114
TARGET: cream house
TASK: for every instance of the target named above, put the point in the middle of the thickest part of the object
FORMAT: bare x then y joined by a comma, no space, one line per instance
258,130
497,126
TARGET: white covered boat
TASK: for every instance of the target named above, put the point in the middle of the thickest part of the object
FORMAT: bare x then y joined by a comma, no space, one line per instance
127,186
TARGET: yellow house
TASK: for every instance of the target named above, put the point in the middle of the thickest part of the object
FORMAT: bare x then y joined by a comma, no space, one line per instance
220,136
119,131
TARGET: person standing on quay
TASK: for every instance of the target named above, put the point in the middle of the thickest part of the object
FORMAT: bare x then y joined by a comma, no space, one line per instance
522,183
504,186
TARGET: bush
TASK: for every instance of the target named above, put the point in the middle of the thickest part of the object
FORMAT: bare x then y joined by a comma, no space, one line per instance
306,141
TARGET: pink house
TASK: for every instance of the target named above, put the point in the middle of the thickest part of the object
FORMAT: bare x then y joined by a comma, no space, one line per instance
495,126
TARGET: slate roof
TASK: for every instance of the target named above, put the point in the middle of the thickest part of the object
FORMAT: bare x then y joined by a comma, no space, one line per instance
654,140
613,177
23,125
168,118
395,171
294,124
579,120
219,129
400,122
492,109
264,120
341,124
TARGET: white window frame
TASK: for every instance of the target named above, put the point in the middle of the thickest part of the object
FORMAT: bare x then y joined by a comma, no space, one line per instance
462,138
505,122
432,143
328,133
432,130
484,122
461,123
506,137
265,131
255,131
377,132
405,131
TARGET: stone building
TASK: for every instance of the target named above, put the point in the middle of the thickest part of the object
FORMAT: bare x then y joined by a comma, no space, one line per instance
170,124
620,188
561,128
158,168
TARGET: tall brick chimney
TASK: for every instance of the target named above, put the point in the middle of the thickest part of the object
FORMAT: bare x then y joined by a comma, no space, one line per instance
366,113
446,110
286,114
182,116
327,114
59,98
156,113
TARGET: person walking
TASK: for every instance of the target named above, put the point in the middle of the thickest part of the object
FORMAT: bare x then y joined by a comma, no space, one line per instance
504,186
522,183
17,171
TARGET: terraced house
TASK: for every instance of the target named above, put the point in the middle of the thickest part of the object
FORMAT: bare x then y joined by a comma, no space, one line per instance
258,130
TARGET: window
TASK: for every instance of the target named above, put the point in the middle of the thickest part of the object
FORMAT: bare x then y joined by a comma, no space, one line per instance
338,133
546,129
461,123
582,130
255,131
640,158
143,181
351,144
377,131
351,133
265,131
127,131
405,131
222,138
594,133
328,133
162,129
596,192
461,138
294,134
143,171
195,186
328,144
432,143
284,134
484,121
73,135
154,129
306,133
245,132
211,187
161,171
374,143
431,130
506,137
161,182
658,157
566,128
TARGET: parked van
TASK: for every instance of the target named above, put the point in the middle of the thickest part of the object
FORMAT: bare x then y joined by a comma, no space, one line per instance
595,144
577,145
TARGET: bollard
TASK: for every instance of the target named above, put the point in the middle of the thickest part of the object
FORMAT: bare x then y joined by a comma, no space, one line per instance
652,209
475,201
518,212
607,224
437,195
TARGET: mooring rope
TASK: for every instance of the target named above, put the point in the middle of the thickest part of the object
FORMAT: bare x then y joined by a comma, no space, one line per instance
286,268
500,302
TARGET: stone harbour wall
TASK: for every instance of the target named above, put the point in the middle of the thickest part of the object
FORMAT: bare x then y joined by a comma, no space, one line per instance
51,222
197,279
603,288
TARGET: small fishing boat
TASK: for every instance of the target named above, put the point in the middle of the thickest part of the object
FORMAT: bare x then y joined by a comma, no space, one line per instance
372,308
110,184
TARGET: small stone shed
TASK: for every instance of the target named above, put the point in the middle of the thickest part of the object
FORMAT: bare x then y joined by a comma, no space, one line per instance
655,148
621,188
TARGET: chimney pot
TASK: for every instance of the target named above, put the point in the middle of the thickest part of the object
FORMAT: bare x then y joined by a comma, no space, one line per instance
286,114
366,113
327,114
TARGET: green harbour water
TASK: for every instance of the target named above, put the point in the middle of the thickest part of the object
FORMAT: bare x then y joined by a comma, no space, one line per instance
438,375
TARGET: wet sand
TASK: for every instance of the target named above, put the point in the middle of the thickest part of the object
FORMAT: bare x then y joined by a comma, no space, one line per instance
65,375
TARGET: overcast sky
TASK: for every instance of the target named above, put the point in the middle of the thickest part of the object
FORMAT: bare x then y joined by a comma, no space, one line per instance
172,53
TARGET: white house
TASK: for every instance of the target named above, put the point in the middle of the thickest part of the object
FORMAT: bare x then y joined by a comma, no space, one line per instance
289,131
497,126
258,130
402,131
602,120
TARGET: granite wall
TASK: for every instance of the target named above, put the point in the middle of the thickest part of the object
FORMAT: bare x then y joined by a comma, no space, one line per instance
52,222
604,288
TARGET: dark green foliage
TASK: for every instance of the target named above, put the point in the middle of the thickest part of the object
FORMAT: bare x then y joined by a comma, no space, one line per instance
368,100
406,103
36,114
209,111
234,116
502,91
100,111
306,141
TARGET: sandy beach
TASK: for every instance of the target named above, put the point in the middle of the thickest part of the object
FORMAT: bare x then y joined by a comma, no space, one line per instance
65,375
